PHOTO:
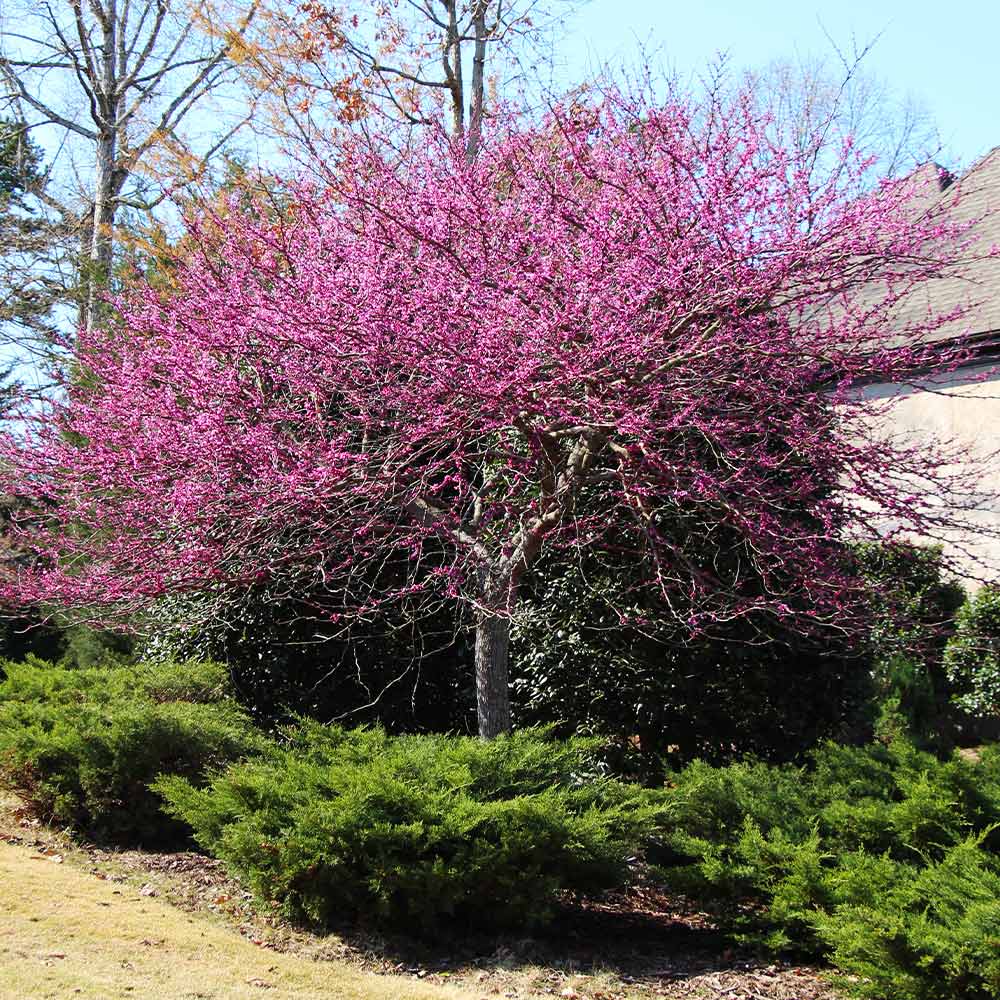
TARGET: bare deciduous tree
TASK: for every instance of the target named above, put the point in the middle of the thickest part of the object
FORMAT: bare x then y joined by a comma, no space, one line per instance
817,102
114,80
413,62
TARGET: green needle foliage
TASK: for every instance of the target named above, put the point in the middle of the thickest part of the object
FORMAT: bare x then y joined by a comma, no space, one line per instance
81,746
884,859
418,831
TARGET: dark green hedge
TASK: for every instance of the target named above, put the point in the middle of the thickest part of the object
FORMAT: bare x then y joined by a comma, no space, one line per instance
883,858
81,746
418,831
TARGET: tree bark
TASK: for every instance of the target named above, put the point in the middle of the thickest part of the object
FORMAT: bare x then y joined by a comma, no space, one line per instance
106,150
453,68
492,674
101,246
477,96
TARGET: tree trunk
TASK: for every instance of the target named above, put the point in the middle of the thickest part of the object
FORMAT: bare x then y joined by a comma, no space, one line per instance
453,69
478,96
106,151
101,246
492,675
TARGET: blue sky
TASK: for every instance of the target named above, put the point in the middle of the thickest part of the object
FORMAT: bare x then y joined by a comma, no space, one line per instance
947,55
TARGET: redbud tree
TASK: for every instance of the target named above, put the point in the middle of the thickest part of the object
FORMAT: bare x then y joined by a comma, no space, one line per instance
633,320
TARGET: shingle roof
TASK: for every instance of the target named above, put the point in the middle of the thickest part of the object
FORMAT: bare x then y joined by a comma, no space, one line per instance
975,283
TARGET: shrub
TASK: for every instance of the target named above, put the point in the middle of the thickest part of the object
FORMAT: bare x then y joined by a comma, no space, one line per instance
22,636
81,746
36,681
918,932
417,831
972,656
731,834
88,647
595,653
913,612
916,606
53,640
409,670
884,858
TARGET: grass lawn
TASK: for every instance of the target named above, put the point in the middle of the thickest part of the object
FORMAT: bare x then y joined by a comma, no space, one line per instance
66,934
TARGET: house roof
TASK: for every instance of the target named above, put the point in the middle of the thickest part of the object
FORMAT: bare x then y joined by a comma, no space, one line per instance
975,283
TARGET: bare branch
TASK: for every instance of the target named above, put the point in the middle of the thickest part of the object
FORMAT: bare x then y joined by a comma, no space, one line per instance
118,56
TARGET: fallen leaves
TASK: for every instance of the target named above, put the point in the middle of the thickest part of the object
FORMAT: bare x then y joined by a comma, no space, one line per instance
46,854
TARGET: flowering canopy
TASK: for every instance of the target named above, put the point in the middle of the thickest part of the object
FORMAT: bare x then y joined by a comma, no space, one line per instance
637,321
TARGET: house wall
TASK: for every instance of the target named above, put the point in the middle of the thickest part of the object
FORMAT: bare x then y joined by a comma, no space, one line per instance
966,409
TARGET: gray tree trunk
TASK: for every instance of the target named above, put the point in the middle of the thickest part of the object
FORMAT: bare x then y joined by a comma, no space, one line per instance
101,236
477,98
492,675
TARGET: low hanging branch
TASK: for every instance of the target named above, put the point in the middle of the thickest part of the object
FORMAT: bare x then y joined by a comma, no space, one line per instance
639,321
